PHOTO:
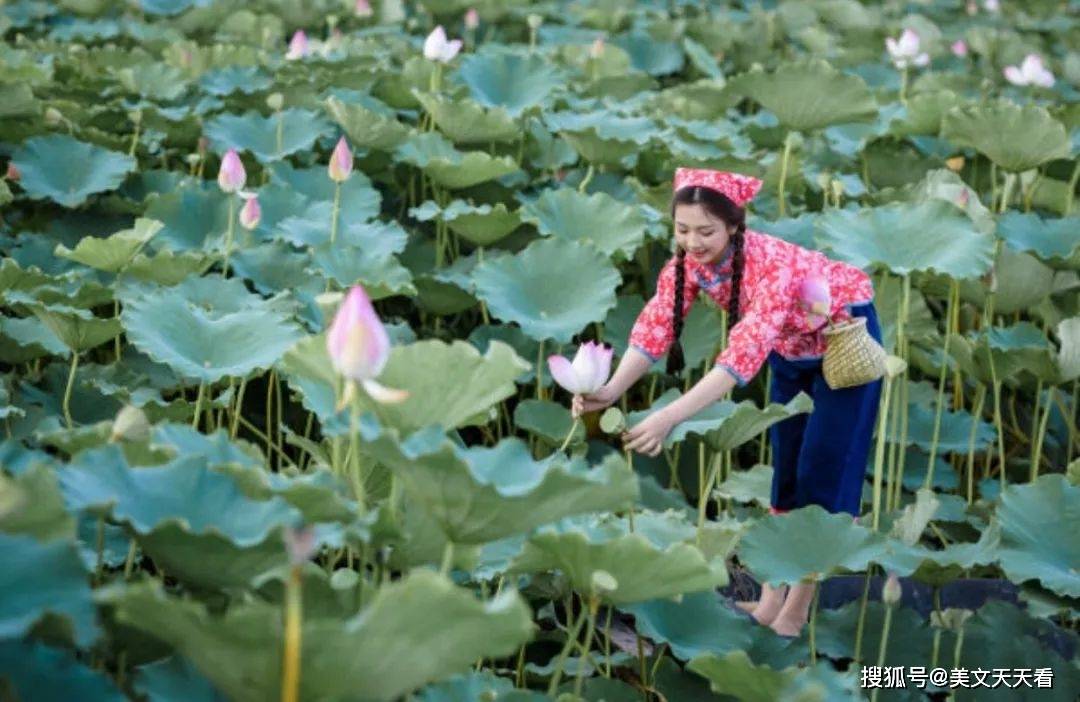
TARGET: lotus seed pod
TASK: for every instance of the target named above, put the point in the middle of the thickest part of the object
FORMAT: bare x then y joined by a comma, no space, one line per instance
53,116
534,21
890,593
275,101
130,424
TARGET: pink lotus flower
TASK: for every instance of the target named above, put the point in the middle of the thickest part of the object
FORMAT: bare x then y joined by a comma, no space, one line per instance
363,9
232,176
437,48
992,5
298,46
588,372
815,298
1030,72
959,48
341,162
597,48
359,346
13,173
250,213
472,19
905,51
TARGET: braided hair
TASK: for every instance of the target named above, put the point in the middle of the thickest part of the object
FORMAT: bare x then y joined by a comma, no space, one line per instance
720,207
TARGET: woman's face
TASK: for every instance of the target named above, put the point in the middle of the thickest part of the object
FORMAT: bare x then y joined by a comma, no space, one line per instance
703,236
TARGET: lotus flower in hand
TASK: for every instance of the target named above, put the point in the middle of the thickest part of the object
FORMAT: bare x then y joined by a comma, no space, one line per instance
814,297
587,373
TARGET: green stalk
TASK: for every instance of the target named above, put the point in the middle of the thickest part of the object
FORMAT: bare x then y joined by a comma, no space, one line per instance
447,558
941,385
882,648
67,389
980,399
607,643
594,603
706,490
905,405
1036,455
539,371
280,134
569,436
862,618
238,408
198,405
269,415
571,638
903,85
229,235
1072,188
588,178
116,339
997,418
879,450
354,451
334,212
783,171
290,661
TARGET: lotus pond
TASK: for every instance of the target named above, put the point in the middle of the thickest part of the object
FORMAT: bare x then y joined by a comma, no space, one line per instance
192,508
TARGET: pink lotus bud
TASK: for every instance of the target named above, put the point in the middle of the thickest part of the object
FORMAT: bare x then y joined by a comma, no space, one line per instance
959,48
363,9
437,48
890,591
341,162
298,46
597,48
250,213
299,544
1030,72
12,173
905,50
232,176
472,19
359,346
588,372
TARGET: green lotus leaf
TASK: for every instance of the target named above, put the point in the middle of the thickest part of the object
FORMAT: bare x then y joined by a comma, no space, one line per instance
1038,528
798,230
235,79
113,253
656,560
35,671
954,430
167,268
360,201
701,337
606,223
753,485
698,623
380,654
1048,239
929,236
252,132
68,171
45,579
806,542
511,81
448,167
155,81
483,225
466,122
382,275
551,289
657,58
484,686
808,95
365,127
548,420
174,678
479,495
78,329
33,505
910,636
207,339
943,184
26,338
924,113
1015,138
194,217
602,137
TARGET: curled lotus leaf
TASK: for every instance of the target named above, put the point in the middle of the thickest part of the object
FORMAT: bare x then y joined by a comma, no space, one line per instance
483,225
1016,138
68,171
465,121
365,126
608,224
252,132
511,81
449,167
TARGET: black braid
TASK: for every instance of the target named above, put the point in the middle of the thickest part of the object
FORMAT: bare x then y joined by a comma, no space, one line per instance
737,239
675,360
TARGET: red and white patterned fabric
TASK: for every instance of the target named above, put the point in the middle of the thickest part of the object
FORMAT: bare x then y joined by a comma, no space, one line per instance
739,188
770,317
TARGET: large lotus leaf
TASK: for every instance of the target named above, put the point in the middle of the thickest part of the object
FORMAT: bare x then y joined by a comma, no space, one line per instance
807,542
159,82
365,127
606,223
551,289
484,686
910,636
548,420
252,132
1015,138
483,225
1049,239
185,492
746,486
511,81
650,55
736,676
194,217
466,122
1039,523
415,631
34,671
697,623
929,236
808,95
483,494
451,168
923,113
174,678
360,201
203,338
657,560
381,275
68,171
231,79
78,329
44,579
954,430
113,253
32,504
603,138
943,184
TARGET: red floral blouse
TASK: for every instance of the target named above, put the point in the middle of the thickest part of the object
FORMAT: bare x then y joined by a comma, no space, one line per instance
770,316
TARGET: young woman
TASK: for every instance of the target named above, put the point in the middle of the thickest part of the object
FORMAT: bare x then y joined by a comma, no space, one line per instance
818,458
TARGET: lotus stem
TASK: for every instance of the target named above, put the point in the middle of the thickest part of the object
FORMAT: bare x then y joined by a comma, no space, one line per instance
116,339
67,389
334,212
879,451
129,561
1036,456
607,643
1071,414
953,288
570,435
100,549
229,231
884,645
587,179
447,558
436,80
134,139
764,444
594,604
980,399
1072,188
238,408
268,421
354,451
279,408
706,490
540,371
280,134
997,418
290,662
903,85
519,670
862,617
905,404
571,637
1006,191
783,171
958,647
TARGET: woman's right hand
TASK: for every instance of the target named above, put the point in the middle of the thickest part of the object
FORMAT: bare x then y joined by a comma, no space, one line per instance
590,402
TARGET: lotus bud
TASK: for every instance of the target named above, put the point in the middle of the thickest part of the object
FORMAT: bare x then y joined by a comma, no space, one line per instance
331,22
597,48
341,162
232,176
363,9
359,346
438,48
959,48
587,373
1030,72
472,19
130,424
299,544
275,101
12,173
250,213
298,46
135,116
53,116
534,21
905,50
890,592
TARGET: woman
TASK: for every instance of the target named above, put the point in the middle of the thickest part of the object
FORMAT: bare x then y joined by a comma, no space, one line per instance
818,458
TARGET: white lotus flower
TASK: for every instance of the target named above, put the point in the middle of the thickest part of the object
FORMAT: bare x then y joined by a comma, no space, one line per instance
587,373
905,50
437,48
1030,72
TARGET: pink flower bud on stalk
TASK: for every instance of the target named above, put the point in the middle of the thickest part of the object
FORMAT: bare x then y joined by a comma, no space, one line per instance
298,46
815,298
438,48
341,162
959,48
231,176
359,348
472,19
905,50
363,9
597,48
250,213
890,591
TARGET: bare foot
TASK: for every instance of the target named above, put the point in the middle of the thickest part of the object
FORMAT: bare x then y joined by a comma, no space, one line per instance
772,600
786,626
790,619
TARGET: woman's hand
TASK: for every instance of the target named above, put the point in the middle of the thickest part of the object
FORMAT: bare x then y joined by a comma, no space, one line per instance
590,402
647,437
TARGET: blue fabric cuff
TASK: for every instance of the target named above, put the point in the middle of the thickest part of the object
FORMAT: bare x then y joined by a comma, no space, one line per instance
738,378
645,353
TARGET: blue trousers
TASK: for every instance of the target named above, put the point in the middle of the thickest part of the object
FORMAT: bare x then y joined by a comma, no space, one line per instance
820,458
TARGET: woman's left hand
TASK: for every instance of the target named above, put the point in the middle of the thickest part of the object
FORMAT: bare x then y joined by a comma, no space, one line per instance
647,437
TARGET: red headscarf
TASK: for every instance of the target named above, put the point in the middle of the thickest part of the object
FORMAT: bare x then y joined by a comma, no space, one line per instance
739,188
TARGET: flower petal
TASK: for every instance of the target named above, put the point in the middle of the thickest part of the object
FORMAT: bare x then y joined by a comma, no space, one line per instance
563,373
1013,75
384,395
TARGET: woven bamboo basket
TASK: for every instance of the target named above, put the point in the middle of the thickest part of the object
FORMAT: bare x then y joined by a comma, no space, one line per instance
852,356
